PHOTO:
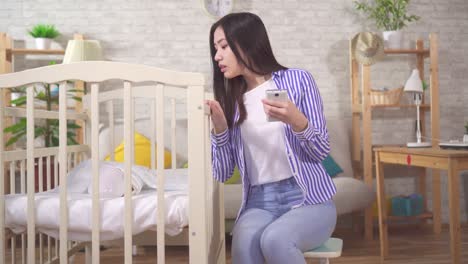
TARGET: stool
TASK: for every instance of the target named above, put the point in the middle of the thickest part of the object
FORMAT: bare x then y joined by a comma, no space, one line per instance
330,249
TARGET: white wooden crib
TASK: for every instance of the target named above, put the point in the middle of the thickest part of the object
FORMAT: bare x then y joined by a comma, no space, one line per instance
206,211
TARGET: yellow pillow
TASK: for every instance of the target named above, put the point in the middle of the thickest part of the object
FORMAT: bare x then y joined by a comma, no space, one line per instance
142,150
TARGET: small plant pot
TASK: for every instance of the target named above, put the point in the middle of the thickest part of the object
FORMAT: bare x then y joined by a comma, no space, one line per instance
392,39
43,43
465,138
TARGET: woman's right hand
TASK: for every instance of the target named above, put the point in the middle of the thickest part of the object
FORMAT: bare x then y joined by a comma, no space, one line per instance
217,116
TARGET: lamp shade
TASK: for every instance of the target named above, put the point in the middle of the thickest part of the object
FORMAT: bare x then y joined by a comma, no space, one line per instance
82,50
414,83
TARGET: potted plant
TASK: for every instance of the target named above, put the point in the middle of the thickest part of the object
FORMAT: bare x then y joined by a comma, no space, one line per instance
465,137
43,34
50,127
390,16
16,93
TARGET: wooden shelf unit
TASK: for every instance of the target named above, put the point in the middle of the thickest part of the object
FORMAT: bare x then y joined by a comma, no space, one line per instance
35,52
362,113
7,53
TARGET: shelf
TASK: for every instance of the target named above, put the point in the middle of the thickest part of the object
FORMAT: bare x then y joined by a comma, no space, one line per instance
36,52
363,111
401,106
358,107
407,51
425,215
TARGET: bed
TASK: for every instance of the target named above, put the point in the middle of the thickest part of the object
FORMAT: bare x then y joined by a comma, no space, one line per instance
82,219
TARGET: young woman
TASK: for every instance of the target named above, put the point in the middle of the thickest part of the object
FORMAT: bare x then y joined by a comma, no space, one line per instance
287,203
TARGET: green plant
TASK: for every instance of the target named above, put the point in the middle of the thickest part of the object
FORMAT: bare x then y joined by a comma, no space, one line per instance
425,85
44,31
389,15
48,129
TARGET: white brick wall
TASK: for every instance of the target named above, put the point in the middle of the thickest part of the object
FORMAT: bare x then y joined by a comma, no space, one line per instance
307,34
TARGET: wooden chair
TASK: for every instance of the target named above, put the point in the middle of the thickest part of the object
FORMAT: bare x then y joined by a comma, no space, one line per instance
330,249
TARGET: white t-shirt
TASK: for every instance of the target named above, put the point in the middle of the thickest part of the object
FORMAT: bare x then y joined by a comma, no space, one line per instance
264,142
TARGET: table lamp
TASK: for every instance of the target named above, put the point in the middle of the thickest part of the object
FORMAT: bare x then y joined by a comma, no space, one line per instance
82,50
414,85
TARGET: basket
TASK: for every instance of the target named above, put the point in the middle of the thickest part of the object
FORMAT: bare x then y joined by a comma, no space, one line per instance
389,97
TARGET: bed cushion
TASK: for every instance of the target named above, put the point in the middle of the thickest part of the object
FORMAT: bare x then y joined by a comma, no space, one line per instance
352,195
339,135
232,200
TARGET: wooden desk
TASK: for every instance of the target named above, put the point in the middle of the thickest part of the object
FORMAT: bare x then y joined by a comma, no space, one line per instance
453,161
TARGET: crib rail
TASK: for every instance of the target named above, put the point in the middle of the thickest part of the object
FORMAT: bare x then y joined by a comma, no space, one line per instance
99,71
206,213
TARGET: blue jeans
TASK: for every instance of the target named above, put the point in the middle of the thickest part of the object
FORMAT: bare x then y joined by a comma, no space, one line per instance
270,231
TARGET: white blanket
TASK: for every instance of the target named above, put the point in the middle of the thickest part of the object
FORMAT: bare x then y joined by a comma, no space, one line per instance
111,179
47,205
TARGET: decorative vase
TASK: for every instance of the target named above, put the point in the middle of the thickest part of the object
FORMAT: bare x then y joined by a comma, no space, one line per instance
43,43
392,39
465,138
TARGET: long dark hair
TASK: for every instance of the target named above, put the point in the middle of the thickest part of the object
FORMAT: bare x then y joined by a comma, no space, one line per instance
245,33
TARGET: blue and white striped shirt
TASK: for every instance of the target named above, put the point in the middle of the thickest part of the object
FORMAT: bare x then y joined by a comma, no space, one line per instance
305,150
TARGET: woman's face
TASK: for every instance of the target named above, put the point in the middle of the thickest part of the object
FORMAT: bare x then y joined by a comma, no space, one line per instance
227,61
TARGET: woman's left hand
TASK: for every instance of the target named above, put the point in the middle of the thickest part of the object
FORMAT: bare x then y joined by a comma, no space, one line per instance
286,112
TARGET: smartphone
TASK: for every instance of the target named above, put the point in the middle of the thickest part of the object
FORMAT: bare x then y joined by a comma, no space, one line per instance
276,95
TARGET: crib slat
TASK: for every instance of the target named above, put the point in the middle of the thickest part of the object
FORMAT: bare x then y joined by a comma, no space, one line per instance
128,157
41,249
110,108
2,182
210,185
30,174
13,191
13,177
160,172
153,129
69,161
13,250
23,177
173,134
48,172
95,168
56,171
63,172
40,170
196,168
23,248
49,249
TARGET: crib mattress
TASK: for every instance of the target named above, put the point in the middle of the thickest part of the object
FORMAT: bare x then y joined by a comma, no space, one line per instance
112,214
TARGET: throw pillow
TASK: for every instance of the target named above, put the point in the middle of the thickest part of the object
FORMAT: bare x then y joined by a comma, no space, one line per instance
233,180
142,150
331,166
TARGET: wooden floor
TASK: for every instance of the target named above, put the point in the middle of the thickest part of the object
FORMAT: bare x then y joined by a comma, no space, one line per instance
408,245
